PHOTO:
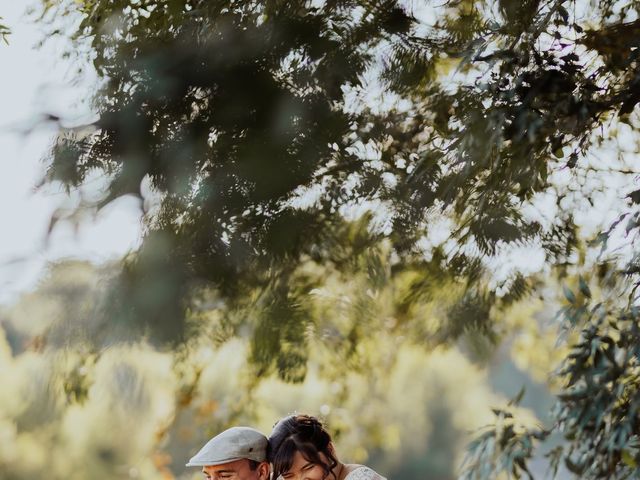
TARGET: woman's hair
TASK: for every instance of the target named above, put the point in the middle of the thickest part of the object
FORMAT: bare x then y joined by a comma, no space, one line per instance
304,434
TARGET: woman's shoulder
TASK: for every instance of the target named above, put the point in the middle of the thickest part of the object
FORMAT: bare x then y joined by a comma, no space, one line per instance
362,472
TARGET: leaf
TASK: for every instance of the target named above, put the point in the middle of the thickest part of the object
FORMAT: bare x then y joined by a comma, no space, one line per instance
573,467
518,398
563,13
569,295
629,459
584,288
634,196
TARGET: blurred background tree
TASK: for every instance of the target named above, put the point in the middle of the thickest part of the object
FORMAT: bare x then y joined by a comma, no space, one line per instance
75,408
352,208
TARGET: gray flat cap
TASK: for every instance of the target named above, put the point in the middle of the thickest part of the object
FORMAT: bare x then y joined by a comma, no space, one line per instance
233,444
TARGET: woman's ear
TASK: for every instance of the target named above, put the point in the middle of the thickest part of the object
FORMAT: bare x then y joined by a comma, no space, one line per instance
332,450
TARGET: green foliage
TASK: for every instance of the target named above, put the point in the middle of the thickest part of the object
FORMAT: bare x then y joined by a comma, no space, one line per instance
595,408
503,448
237,112
4,32
253,124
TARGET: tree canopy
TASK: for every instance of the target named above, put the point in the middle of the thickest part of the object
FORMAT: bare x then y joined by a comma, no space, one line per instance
411,144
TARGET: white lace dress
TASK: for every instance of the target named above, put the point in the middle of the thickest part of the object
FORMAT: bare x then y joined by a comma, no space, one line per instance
363,473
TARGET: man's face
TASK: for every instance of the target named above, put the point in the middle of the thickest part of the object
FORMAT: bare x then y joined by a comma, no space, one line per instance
238,470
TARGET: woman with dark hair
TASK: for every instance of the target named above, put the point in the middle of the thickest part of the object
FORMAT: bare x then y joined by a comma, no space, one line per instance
301,449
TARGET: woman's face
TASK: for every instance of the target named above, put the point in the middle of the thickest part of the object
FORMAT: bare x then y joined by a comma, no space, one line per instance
303,469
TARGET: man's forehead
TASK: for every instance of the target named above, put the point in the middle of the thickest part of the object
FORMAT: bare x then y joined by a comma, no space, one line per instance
231,466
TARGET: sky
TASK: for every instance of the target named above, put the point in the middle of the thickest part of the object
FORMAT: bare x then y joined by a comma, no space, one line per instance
35,81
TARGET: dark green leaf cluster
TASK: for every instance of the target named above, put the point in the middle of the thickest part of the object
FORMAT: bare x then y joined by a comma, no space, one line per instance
598,409
504,448
232,110
235,111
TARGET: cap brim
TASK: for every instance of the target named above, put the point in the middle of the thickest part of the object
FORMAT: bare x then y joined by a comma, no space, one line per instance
195,462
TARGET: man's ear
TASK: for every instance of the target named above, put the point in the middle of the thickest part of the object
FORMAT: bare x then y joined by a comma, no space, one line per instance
263,471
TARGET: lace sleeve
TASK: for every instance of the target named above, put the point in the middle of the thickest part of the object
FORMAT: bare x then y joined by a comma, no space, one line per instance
364,473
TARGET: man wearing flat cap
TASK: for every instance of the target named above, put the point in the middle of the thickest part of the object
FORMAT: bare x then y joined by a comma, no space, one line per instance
239,453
